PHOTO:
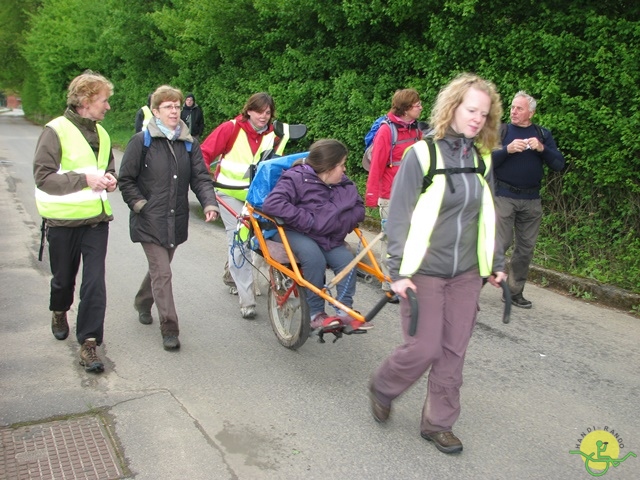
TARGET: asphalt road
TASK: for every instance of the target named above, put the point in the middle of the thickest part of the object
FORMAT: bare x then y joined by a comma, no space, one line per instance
234,404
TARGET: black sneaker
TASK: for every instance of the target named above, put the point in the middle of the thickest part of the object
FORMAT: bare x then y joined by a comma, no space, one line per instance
520,301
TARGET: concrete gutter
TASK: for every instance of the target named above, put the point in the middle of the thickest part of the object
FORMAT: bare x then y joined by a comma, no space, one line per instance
586,289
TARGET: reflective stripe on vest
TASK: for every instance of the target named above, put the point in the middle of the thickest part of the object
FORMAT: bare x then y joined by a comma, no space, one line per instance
146,111
234,166
283,140
78,157
426,213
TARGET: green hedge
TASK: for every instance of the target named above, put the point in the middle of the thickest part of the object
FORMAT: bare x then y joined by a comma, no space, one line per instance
334,65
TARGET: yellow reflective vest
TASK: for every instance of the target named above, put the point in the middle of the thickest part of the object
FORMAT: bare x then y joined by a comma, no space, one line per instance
427,209
77,156
234,166
146,111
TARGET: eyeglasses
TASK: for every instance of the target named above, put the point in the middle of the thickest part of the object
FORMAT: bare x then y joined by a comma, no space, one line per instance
417,105
171,108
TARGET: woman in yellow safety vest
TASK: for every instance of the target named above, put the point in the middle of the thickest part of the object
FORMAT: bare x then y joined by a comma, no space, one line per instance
238,144
441,245
73,169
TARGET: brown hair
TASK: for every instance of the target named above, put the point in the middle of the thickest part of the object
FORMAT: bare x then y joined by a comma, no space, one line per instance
165,93
450,97
86,86
259,102
404,100
325,155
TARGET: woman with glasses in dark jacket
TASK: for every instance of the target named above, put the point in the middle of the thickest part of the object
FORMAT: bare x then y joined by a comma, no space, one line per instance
155,181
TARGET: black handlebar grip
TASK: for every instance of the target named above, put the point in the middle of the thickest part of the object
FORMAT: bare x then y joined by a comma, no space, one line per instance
506,292
376,308
413,301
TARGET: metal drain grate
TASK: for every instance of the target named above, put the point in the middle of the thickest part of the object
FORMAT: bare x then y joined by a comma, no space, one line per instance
78,448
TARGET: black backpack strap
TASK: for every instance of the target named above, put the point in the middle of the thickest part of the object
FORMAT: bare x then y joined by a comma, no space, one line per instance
447,172
428,178
503,132
482,167
540,132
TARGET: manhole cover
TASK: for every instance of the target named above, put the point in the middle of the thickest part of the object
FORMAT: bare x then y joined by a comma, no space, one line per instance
78,448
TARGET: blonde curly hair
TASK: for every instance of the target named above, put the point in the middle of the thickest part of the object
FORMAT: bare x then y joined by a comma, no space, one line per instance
86,86
451,96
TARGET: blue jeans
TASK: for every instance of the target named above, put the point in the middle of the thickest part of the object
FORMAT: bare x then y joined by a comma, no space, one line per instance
314,261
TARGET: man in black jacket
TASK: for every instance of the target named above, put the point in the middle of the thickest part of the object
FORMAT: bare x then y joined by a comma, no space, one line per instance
192,115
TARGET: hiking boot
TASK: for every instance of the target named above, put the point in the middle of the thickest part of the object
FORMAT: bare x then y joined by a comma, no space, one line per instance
248,312
59,325
520,301
170,342
89,358
379,411
446,442
145,318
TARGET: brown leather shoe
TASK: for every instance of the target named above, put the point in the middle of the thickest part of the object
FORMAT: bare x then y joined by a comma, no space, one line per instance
446,442
59,325
89,358
379,411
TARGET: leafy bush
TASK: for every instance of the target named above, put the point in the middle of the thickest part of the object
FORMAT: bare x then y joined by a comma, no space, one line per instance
334,65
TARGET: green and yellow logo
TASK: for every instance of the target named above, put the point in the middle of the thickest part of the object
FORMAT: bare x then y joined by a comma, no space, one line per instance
600,450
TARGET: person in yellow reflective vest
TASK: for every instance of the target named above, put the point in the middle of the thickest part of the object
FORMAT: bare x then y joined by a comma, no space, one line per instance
143,115
236,145
441,246
73,170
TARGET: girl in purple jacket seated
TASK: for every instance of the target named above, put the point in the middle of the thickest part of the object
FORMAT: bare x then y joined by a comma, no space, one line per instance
319,206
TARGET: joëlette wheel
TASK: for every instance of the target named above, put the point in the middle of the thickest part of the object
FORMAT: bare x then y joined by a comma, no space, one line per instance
290,319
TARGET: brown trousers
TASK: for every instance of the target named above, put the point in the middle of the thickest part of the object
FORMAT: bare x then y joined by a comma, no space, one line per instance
448,309
156,287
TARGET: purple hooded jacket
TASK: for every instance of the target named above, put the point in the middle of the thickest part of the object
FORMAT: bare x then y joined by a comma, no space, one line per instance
325,213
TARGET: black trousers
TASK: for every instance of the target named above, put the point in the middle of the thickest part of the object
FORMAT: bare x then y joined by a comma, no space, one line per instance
66,247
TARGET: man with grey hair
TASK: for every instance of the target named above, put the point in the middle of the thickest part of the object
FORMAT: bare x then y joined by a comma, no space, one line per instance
519,168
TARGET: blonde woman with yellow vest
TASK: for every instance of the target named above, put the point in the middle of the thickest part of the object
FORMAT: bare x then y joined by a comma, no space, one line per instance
238,144
441,246
73,170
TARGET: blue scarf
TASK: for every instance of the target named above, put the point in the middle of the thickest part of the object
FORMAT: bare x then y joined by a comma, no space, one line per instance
170,134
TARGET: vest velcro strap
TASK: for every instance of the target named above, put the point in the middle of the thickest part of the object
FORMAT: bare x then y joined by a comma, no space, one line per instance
447,172
454,170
